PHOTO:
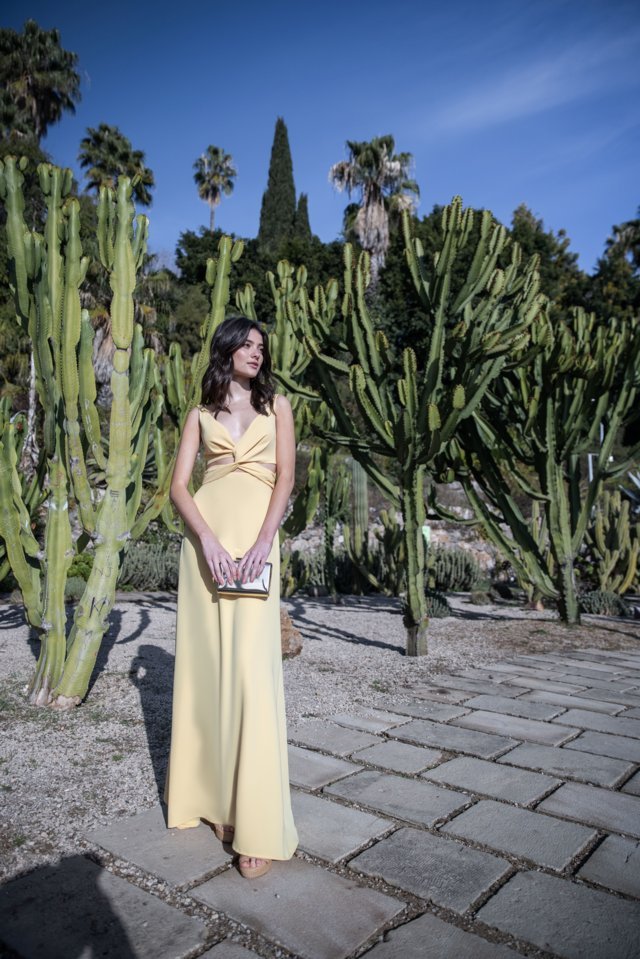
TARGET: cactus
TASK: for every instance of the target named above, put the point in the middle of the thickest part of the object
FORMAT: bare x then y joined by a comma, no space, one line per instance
409,411
604,603
47,272
540,420
454,570
613,544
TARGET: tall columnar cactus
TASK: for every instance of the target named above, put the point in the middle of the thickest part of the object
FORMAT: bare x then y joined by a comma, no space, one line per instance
614,544
540,421
409,410
47,272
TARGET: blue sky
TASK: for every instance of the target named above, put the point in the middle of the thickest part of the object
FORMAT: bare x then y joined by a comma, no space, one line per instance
526,101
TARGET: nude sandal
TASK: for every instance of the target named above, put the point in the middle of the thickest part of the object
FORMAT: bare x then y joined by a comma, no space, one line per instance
224,833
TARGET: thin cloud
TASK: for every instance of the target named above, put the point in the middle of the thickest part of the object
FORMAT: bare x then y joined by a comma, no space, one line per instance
549,82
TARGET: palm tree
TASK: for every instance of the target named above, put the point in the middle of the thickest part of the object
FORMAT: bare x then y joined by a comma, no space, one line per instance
381,179
106,154
214,176
38,81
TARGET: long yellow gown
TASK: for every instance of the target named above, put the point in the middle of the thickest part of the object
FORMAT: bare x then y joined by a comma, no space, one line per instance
228,760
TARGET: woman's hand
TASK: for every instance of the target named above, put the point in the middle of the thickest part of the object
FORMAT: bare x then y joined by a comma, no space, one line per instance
222,565
252,563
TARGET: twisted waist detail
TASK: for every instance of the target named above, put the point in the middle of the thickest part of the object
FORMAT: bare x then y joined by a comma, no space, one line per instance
258,470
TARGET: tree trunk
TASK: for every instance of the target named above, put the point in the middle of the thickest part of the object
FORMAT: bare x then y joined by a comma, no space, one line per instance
413,515
212,214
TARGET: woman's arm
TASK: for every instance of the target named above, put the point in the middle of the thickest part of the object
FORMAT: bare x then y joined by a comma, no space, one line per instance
252,563
221,564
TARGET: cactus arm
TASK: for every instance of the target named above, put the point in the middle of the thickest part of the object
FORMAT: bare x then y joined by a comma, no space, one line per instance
15,529
74,273
87,391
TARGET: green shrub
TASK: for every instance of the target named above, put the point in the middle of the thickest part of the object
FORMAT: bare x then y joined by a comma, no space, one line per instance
74,588
603,603
81,565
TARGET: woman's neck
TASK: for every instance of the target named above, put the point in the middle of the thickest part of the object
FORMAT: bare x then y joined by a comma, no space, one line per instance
239,389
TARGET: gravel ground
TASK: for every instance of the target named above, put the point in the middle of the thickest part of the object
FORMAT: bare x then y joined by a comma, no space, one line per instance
63,773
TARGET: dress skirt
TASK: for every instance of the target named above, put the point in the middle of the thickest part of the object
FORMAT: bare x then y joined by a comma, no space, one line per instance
228,760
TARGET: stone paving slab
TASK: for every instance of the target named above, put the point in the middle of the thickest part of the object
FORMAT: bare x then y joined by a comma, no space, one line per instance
543,840
612,811
308,910
549,734
412,800
401,757
332,831
439,870
569,764
428,937
514,707
77,908
563,675
312,770
624,699
503,782
175,855
632,785
633,713
565,918
550,686
228,950
374,721
476,686
572,702
588,671
427,733
441,694
603,744
440,712
616,865
332,738
617,725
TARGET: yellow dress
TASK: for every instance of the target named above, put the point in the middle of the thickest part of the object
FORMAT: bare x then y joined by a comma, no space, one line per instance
228,760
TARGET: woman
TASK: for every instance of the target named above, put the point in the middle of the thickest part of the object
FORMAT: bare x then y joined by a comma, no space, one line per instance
228,761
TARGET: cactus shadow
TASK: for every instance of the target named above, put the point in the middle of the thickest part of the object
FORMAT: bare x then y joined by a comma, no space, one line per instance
317,631
151,672
80,911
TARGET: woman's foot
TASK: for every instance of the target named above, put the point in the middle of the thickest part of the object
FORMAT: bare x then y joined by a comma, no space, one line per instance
224,833
251,867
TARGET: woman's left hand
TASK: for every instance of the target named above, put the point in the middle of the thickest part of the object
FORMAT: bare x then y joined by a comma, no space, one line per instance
252,563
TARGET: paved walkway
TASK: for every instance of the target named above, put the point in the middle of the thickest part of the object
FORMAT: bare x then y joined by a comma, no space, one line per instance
495,815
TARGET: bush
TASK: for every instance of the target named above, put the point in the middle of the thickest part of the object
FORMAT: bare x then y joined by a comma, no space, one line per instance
453,569
81,565
603,603
480,597
74,588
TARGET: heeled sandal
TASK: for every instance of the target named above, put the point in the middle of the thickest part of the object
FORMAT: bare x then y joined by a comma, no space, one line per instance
224,833
252,872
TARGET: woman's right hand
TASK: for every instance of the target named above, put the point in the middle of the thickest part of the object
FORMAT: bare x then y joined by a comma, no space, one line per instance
221,564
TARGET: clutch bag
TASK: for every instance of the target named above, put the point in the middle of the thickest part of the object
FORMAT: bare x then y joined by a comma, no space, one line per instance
253,587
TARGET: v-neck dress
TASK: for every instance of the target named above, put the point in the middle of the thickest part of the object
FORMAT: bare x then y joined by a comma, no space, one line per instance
228,758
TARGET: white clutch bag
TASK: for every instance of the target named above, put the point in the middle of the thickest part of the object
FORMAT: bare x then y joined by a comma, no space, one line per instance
253,587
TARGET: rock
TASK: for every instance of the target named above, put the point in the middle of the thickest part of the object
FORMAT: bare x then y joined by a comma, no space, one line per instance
291,638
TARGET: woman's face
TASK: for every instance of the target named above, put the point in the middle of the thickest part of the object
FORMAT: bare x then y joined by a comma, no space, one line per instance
248,358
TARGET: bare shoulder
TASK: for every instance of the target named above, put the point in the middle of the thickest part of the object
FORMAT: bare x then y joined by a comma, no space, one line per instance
281,404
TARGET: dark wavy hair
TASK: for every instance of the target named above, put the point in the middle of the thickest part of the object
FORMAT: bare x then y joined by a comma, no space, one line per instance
229,336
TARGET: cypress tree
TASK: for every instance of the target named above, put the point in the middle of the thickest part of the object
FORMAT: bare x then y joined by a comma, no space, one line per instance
301,225
279,200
